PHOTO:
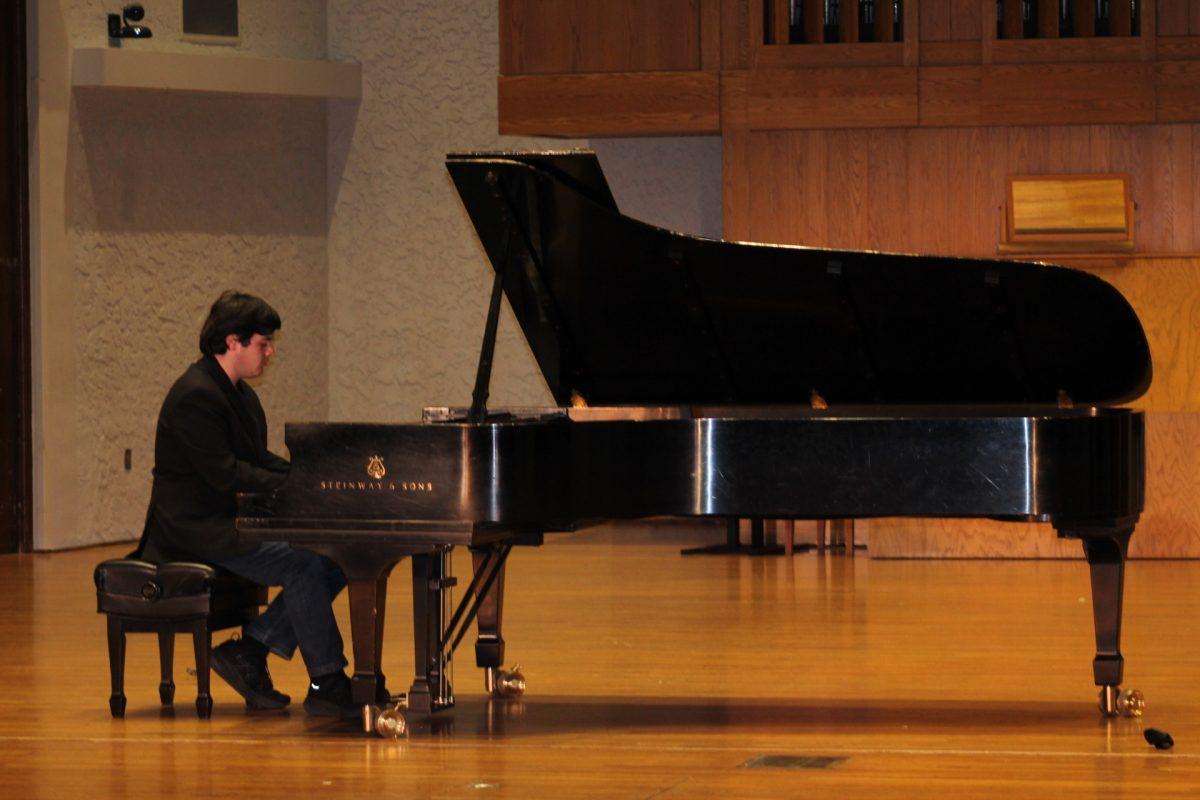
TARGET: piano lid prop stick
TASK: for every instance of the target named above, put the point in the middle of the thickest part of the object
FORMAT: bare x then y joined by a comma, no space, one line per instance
484,376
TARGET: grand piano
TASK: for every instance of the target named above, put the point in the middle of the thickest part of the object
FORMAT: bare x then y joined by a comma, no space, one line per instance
702,378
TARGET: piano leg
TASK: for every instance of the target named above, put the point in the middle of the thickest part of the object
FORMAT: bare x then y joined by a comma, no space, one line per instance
368,599
489,647
431,690
1105,549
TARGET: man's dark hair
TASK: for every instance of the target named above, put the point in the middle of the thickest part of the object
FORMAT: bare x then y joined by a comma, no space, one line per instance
240,314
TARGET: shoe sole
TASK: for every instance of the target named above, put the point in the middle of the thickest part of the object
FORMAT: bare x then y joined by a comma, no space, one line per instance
254,700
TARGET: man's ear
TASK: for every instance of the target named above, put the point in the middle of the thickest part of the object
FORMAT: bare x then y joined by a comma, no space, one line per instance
231,340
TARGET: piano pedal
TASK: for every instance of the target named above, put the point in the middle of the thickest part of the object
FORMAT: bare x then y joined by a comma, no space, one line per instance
504,683
390,722
1115,701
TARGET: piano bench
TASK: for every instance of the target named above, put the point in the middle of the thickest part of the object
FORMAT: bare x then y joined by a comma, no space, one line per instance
143,597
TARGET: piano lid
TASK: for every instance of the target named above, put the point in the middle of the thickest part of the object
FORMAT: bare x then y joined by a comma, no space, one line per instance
622,312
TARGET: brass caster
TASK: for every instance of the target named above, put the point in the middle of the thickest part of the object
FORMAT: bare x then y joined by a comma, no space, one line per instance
387,722
391,723
504,683
1115,701
1131,703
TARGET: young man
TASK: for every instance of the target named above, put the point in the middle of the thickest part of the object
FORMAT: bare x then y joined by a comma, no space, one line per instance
211,444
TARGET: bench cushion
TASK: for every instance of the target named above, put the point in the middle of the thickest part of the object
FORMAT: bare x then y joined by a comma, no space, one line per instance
174,590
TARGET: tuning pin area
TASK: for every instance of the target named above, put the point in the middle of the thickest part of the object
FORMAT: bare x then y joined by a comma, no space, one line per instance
1118,702
504,683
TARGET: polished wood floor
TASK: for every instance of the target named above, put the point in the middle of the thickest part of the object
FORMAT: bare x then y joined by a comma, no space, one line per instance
653,675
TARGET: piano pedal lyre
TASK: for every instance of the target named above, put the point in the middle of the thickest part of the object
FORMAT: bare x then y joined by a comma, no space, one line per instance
499,682
1115,701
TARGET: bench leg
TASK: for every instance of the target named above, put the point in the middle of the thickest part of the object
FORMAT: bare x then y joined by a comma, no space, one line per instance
202,640
166,658
116,665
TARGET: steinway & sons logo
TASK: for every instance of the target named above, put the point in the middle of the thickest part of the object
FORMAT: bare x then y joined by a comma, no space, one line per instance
377,471
375,467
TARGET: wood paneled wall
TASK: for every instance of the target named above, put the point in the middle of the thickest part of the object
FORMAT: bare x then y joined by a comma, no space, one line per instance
943,190
567,36
1178,18
619,67
951,21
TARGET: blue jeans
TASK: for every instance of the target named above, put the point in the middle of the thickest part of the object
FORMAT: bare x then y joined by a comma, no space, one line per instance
301,614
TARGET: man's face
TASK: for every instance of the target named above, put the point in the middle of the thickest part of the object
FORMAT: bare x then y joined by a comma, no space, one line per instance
250,359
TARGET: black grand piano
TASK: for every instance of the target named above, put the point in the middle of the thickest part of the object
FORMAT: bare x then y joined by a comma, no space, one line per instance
702,378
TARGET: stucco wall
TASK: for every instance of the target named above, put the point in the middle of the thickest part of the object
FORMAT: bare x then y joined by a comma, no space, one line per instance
146,205
166,200
408,281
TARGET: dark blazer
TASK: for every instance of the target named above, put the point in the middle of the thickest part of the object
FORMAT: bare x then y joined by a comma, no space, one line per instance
210,444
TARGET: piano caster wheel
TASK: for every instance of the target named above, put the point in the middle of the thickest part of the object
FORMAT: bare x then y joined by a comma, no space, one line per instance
388,722
1115,701
504,683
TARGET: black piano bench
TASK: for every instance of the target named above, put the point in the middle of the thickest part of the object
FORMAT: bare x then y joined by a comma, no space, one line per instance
143,597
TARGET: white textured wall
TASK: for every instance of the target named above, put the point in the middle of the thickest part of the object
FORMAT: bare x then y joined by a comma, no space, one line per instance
672,183
148,204
408,281
168,199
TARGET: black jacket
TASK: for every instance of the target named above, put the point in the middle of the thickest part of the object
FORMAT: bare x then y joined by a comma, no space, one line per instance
210,444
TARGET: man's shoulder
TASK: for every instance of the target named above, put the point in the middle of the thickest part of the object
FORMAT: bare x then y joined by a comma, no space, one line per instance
194,383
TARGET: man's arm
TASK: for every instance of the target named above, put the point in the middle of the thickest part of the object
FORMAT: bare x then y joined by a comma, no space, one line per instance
203,438
276,463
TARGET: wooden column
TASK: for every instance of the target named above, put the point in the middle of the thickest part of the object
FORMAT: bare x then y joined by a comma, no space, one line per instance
848,21
1014,25
885,30
1047,26
1120,20
1085,18
779,22
814,21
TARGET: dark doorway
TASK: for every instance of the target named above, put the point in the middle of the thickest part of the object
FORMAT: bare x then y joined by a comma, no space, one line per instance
15,471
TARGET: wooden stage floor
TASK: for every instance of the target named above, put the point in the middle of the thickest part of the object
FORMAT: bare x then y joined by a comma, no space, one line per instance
652,675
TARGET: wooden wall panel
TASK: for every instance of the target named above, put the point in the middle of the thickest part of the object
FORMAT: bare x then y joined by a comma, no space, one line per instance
1161,161
735,34
562,36
1165,293
1178,18
965,16
1173,17
647,104
951,95
935,22
833,98
1178,91
1050,94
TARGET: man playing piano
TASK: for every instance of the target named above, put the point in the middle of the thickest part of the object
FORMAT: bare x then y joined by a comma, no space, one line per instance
210,444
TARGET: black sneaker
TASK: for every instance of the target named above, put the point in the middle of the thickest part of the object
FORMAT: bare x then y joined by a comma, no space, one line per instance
244,667
331,697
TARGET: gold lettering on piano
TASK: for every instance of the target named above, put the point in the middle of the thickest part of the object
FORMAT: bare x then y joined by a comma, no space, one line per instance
398,487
